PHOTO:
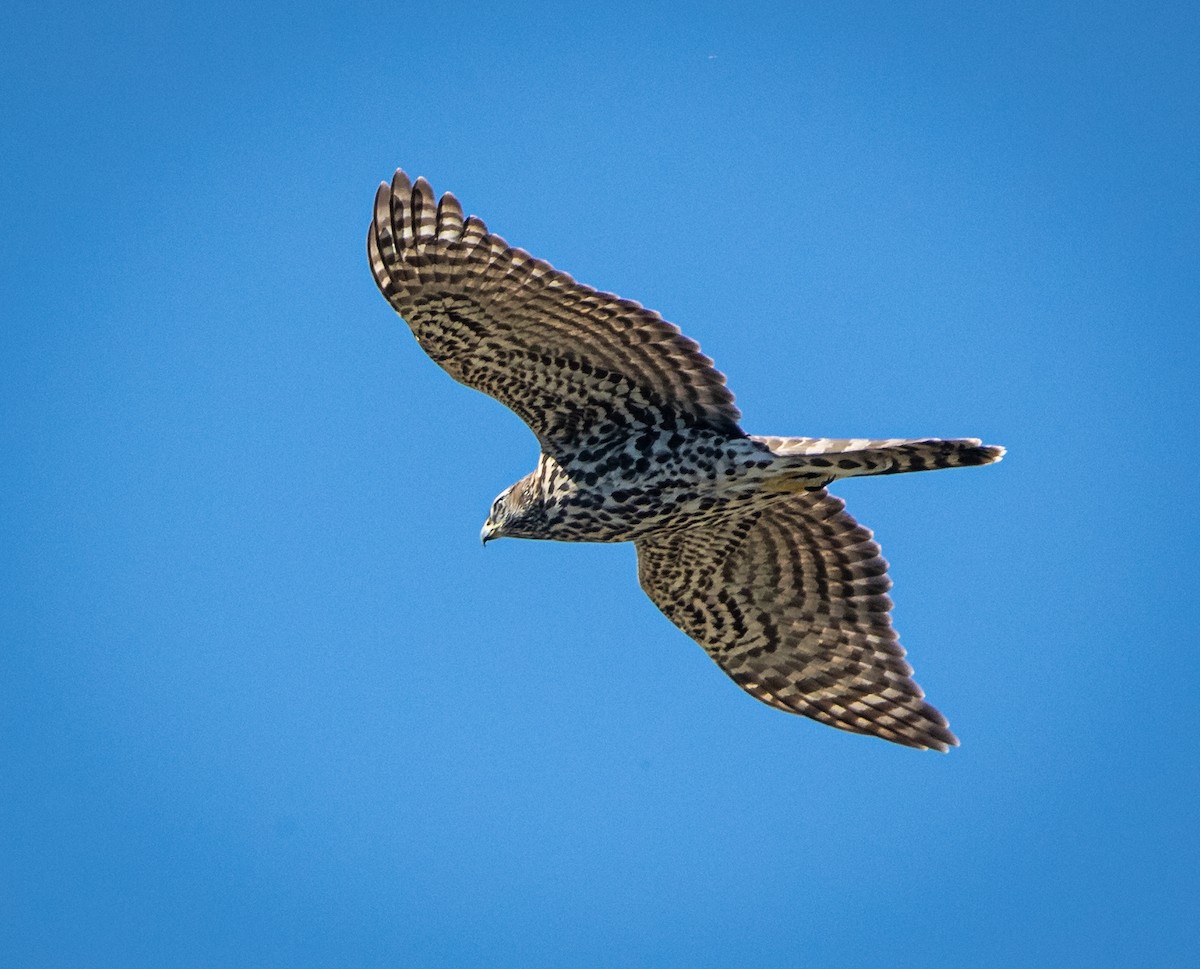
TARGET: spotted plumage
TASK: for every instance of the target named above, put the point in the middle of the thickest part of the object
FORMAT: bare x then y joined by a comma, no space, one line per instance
738,542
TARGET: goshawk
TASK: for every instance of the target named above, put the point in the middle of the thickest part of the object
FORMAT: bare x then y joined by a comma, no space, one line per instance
738,543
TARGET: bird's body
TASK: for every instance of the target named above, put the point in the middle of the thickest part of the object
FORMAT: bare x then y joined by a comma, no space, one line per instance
629,486
626,487
738,542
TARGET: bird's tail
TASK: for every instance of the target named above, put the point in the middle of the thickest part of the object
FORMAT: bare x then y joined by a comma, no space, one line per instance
806,463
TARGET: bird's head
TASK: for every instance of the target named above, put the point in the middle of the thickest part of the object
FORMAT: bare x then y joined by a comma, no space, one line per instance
517,512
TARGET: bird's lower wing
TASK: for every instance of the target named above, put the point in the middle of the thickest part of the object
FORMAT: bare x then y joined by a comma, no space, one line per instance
792,603
572,362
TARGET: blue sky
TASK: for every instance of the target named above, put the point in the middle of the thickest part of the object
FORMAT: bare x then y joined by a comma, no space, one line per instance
266,702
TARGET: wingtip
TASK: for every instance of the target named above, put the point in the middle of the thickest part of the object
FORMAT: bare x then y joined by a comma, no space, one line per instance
941,741
383,201
947,744
401,185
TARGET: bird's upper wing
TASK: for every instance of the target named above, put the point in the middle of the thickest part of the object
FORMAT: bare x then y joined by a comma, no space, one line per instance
572,362
792,603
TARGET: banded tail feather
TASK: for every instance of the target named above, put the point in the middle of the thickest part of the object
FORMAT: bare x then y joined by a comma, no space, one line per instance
807,463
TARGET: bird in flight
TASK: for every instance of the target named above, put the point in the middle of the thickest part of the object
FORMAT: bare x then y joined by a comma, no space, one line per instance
738,542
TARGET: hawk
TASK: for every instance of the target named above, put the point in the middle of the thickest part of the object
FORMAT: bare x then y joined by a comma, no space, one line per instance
738,542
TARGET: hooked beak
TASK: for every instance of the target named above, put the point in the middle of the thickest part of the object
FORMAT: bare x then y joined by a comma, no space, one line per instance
487,533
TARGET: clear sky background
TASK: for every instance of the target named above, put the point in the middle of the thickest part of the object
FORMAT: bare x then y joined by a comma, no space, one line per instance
266,702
